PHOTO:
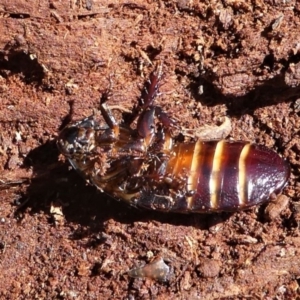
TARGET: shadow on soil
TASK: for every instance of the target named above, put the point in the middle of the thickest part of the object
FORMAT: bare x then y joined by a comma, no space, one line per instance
19,62
272,92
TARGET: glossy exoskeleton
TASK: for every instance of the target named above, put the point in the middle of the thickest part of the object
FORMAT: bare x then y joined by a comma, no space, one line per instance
146,167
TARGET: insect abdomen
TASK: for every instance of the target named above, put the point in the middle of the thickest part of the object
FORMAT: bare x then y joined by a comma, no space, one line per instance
221,176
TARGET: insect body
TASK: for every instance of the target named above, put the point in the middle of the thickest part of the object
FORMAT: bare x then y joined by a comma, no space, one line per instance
146,167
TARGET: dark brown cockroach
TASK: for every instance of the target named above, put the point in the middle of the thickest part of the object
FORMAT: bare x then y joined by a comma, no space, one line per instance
147,167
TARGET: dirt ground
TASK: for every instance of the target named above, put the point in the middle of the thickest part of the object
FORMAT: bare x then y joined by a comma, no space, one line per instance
62,239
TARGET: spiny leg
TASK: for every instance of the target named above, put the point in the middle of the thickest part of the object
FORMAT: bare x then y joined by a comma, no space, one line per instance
146,112
146,126
69,117
149,93
111,134
104,109
164,119
151,89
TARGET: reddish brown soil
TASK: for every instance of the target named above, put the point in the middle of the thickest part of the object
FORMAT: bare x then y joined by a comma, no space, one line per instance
61,239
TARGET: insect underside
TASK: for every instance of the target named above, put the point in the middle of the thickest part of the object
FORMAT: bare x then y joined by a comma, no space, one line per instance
147,167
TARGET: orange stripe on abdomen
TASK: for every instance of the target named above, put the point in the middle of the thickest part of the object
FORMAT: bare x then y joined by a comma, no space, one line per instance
216,177
202,195
230,191
218,184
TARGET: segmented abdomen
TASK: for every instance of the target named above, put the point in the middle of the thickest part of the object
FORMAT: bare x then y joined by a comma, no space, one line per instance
220,176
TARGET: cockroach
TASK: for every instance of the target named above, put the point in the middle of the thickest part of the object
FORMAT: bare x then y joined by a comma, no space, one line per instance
141,162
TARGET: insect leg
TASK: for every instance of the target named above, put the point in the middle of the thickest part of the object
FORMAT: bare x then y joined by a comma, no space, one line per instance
107,115
146,125
163,117
148,130
149,93
151,88
68,118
